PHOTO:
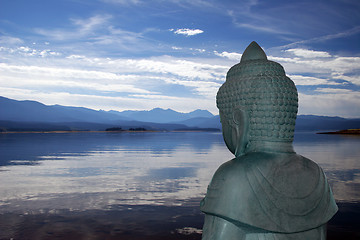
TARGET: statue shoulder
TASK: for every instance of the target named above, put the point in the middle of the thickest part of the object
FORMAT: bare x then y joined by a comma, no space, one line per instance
286,190
291,174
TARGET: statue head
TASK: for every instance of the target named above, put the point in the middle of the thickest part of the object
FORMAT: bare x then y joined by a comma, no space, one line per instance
257,103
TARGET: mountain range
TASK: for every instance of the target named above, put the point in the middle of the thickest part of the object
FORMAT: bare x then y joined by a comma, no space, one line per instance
34,116
31,115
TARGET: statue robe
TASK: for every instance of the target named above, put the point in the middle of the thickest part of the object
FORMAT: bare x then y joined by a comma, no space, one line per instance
279,193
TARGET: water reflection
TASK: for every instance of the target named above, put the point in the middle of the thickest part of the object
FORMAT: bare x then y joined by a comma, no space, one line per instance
97,170
338,155
57,175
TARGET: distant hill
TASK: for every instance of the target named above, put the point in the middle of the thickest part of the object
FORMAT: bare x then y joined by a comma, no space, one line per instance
32,115
205,122
32,111
319,123
159,115
35,116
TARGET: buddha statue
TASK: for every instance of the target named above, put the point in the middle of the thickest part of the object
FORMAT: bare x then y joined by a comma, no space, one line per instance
267,191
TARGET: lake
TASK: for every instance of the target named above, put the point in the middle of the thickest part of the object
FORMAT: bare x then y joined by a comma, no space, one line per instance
98,185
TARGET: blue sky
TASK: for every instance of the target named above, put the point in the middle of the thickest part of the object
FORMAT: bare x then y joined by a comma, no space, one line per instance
138,55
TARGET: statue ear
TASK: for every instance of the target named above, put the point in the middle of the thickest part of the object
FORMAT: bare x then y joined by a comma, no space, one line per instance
240,116
241,120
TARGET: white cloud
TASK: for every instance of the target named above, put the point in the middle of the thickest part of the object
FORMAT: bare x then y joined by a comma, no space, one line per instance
47,72
187,31
70,85
190,3
204,88
254,21
200,50
306,80
74,56
229,55
81,28
353,79
256,27
305,53
180,68
334,90
98,34
105,102
283,59
325,65
134,80
27,51
156,96
143,83
122,2
343,34
342,64
88,25
342,103
8,40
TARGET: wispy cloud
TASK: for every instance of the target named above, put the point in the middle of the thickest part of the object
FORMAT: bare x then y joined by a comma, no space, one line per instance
132,80
305,53
129,78
86,26
324,38
334,90
10,40
99,34
130,60
259,27
122,2
229,55
319,63
311,81
79,28
179,67
248,17
187,32
27,51
353,78
189,3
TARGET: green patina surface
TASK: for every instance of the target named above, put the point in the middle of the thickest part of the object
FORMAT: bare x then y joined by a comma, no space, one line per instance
267,191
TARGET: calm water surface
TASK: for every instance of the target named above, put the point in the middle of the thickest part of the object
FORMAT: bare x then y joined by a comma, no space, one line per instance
133,185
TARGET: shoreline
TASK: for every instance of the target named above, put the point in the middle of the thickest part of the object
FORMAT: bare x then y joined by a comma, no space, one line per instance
347,132
93,131
76,131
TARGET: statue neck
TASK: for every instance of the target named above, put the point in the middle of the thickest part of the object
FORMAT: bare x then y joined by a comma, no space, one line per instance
269,146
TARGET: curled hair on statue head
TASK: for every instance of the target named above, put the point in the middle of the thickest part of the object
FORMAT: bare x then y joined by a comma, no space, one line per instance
267,95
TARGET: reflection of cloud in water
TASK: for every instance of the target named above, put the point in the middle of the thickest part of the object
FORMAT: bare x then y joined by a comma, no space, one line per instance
52,146
338,155
345,184
115,172
345,175
331,152
100,170
170,173
189,230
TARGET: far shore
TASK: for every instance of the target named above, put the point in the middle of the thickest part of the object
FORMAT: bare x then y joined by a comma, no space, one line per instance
347,132
123,131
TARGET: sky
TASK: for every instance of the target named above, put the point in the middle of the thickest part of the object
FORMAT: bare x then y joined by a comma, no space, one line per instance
142,54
